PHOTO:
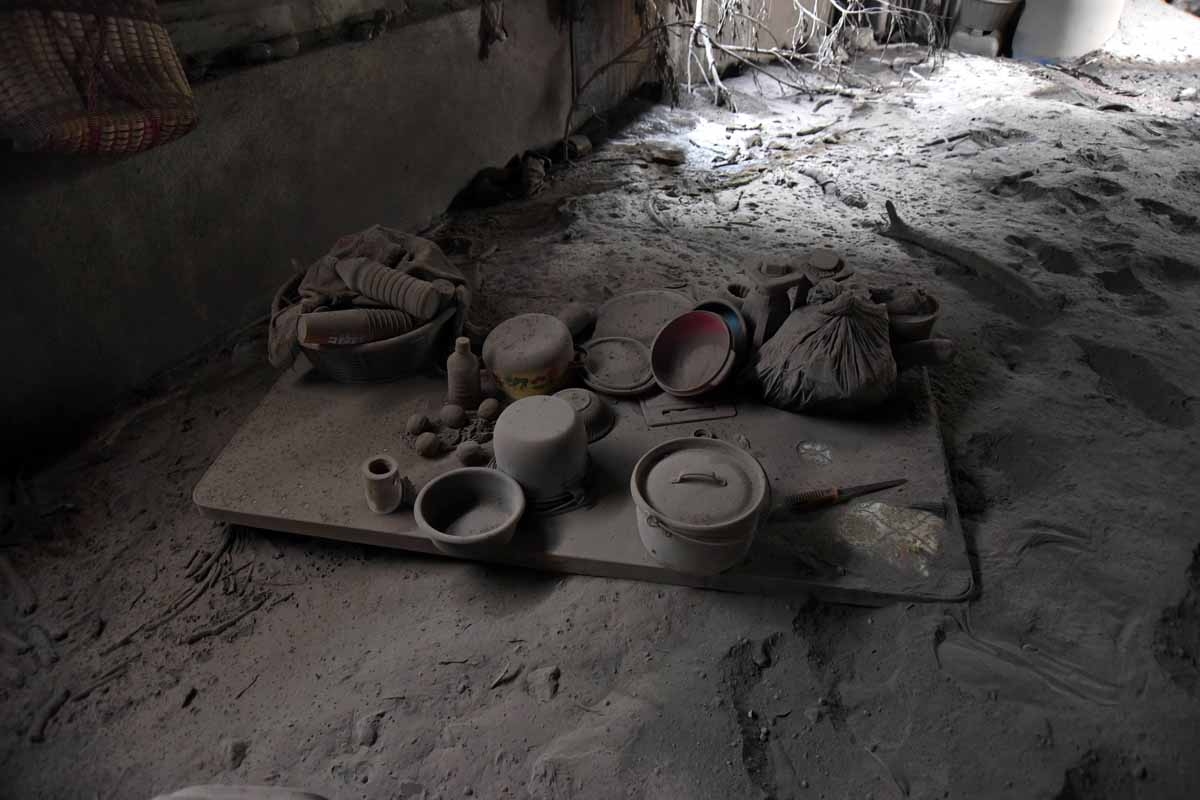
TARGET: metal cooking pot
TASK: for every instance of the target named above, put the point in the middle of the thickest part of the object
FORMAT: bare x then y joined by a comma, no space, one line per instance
699,503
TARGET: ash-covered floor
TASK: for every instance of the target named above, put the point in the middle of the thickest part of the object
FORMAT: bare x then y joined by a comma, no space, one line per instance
1070,422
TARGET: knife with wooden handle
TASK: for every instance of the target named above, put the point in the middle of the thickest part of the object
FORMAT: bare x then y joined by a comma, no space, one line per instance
822,498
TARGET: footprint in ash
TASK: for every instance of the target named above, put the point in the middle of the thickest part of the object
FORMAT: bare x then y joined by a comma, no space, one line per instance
1125,283
1049,257
1169,217
1138,381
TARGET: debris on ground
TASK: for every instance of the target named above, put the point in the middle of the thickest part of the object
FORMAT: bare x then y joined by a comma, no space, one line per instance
1068,291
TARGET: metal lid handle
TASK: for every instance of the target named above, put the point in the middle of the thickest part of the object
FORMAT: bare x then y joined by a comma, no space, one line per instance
710,477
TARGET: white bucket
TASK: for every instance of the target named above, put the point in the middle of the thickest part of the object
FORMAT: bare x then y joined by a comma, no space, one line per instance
1054,29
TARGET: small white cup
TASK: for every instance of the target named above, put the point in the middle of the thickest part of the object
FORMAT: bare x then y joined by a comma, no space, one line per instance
382,483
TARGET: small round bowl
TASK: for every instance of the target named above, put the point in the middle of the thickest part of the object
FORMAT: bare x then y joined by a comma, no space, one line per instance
915,327
692,354
470,511
738,330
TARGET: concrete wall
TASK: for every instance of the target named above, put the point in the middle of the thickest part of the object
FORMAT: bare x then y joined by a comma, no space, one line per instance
602,32
779,24
118,269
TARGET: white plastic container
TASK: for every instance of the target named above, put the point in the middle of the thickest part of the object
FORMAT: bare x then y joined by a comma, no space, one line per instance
699,502
529,355
1055,29
542,443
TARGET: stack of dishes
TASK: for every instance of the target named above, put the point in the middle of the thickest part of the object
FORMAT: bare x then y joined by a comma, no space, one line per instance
739,331
692,354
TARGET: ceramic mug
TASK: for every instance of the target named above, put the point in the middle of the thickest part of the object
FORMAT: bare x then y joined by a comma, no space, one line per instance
382,483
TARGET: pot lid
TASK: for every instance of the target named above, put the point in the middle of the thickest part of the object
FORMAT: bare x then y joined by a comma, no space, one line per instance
616,364
702,483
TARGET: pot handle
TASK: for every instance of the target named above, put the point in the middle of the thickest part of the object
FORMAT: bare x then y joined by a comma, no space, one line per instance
669,532
710,477
655,522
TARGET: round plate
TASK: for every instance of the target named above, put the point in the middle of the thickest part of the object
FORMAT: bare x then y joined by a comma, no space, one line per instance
640,315
617,366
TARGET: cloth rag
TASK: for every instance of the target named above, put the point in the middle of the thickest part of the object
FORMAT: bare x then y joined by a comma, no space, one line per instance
320,288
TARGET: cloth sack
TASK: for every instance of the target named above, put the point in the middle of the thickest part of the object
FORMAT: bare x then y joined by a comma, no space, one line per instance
833,358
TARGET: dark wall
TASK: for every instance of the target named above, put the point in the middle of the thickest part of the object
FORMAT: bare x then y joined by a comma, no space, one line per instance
118,269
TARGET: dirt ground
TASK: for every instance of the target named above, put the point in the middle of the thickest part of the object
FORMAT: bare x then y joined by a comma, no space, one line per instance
1070,422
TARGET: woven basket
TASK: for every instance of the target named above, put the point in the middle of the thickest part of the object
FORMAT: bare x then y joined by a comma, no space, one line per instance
387,359
89,77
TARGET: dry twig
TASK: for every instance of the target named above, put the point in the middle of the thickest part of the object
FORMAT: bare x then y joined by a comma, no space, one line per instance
971,260
105,678
506,675
218,629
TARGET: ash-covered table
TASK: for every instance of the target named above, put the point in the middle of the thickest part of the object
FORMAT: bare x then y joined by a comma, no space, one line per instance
294,467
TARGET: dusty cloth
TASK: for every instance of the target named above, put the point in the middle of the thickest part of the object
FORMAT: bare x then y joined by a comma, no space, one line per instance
320,288
834,358
825,291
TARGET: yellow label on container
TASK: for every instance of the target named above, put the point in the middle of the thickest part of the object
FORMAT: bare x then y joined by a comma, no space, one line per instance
530,384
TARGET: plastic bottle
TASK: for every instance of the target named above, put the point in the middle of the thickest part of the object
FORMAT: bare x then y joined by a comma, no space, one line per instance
462,375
